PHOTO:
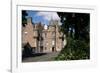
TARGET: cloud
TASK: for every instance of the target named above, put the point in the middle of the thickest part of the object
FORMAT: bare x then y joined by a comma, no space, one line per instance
43,17
48,15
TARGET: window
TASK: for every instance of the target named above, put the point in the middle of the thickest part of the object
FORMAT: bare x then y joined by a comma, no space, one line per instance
34,49
45,34
25,32
45,48
53,42
47,44
41,48
53,34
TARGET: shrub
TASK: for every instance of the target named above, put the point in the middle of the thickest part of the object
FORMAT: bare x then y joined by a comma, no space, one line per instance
74,50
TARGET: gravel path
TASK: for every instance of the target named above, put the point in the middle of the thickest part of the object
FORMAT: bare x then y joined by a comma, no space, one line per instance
46,57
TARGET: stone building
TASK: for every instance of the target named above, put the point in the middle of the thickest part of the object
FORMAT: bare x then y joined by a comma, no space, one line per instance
43,38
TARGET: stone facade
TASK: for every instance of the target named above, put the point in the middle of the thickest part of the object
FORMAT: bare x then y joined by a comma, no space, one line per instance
43,38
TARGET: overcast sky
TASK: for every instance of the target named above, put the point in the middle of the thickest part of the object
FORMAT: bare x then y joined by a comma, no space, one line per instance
43,17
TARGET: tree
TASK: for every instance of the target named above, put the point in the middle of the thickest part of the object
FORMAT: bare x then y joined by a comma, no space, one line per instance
78,46
24,20
75,21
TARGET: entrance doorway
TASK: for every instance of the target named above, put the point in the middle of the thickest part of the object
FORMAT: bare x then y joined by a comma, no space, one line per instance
41,49
53,49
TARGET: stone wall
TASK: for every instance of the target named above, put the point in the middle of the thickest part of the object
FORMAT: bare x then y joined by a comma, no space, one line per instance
44,40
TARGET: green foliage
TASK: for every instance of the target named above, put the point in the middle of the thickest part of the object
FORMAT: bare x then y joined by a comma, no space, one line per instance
74,50
24,20
78,42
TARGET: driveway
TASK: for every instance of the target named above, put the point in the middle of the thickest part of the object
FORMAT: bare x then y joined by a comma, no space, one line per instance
44,57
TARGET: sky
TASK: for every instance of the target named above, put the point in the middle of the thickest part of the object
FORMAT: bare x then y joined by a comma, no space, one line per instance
43,17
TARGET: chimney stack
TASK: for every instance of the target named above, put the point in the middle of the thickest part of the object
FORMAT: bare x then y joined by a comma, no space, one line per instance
29,20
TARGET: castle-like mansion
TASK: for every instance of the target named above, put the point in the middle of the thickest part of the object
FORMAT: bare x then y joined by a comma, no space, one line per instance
43,38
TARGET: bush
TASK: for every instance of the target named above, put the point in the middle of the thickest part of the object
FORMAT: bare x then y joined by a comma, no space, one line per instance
74,50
